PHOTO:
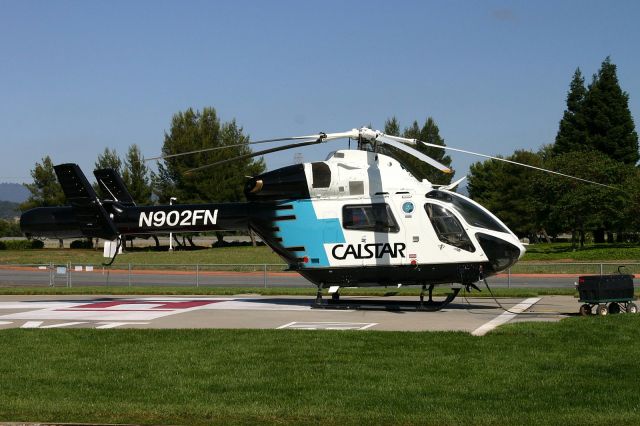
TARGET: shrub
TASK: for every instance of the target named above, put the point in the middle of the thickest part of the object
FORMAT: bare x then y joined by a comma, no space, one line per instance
81,244
21,244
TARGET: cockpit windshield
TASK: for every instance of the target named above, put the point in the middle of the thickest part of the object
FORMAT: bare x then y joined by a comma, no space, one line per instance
473,214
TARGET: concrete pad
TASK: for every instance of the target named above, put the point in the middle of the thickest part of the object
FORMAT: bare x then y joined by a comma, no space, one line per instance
267,312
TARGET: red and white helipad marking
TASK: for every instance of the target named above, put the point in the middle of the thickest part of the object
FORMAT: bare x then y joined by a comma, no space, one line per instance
116,312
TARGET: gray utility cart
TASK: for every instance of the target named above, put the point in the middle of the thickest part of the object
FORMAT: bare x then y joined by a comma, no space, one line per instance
610,294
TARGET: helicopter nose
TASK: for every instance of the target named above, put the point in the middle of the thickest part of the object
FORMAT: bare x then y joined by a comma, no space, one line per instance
500,252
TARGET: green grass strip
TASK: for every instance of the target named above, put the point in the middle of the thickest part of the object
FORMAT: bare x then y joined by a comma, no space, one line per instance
581,370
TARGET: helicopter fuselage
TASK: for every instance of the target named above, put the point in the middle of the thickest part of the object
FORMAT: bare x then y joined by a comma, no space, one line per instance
357,219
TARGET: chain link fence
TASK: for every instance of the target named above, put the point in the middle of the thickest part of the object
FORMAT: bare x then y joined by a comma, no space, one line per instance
562,274
158,275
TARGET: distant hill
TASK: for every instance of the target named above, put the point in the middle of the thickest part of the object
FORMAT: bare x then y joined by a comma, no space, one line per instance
14,192
9,210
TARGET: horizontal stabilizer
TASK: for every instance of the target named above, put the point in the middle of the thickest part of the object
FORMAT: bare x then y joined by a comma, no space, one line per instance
92,218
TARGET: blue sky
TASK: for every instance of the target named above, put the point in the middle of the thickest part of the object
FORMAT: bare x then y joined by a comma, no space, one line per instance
79,76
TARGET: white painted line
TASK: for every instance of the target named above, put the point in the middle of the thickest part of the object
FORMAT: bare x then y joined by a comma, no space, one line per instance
5,322
64,324
326,325
118,324
286,325
32,324
505,316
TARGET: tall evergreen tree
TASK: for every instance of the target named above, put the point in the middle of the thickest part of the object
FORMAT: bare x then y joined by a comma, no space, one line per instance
598,118
429,133
610,126
572,132
193,130
136,176
45,189
392,127
109,159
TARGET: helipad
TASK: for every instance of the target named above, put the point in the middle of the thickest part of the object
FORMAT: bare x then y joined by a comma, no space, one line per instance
477,315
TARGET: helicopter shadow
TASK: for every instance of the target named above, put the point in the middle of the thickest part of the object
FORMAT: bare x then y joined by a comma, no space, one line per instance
381,304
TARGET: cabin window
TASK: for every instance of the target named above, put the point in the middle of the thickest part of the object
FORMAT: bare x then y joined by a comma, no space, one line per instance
369,217
448,228
473,214
321,175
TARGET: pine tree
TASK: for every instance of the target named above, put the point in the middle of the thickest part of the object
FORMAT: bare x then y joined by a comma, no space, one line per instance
598,118
109,159
193,130
392,127
572,133
136,176
430,133
610,126
45,189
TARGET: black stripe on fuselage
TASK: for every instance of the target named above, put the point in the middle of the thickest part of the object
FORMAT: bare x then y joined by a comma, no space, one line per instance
393,275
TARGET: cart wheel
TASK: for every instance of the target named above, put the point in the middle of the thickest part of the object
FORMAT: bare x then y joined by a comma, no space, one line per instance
632,308
602,310
614,308
585,310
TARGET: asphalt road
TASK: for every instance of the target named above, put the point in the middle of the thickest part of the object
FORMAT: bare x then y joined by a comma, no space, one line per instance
33,276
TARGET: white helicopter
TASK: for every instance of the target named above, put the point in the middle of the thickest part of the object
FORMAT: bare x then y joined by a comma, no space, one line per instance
359,218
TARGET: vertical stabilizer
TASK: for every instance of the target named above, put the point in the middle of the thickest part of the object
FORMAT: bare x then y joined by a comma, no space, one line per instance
94,221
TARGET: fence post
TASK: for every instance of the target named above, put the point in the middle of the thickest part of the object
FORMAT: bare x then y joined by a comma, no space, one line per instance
601,269
265,275
509,278
197,275
129,275
51,274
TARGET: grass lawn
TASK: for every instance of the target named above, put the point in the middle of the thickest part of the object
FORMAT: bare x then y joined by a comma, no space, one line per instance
591,252
221,255
581,370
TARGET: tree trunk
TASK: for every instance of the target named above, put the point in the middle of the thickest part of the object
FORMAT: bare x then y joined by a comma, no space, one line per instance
191,243
253,238
60,243
610,238
582,238
545,235
175,238
155,238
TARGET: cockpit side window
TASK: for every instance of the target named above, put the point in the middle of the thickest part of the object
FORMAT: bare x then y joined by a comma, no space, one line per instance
473,214
448,228
369,217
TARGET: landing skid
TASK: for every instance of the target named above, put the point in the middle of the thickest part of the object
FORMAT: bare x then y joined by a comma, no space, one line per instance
386,305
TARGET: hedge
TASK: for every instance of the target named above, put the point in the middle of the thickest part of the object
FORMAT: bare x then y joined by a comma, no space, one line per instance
21,244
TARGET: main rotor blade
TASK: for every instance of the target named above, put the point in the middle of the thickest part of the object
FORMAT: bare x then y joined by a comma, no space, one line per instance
390,140
517,164
257,153
197,151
